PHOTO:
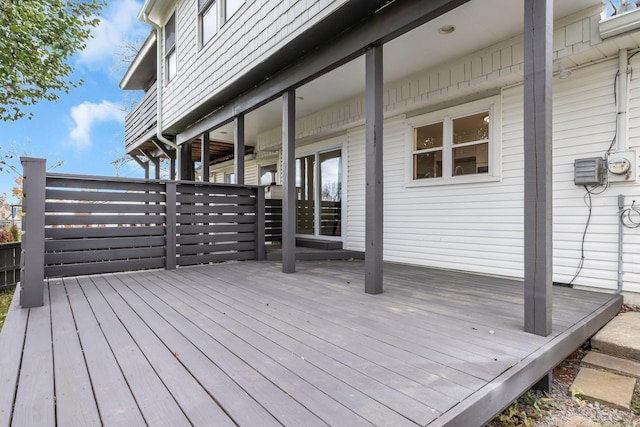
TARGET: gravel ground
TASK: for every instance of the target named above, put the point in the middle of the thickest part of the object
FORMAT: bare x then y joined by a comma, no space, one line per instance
567,411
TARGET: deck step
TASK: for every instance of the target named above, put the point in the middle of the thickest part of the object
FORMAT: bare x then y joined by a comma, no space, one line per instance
620,337
604,387
318,243
617,365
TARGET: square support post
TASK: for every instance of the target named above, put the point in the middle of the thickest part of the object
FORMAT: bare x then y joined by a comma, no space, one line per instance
289,181
32,259
186,162
205,157
538,39
374,183
238,149
170,226
260,225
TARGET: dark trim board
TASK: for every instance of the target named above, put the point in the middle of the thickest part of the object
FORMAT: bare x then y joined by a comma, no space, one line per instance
245,343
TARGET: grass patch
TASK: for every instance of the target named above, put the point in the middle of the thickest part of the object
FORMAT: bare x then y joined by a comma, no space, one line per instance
5,302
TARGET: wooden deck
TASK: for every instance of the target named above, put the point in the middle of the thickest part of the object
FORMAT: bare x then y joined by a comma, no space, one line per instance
243,344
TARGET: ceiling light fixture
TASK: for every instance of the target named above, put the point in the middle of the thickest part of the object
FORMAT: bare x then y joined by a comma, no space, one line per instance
447,29
563,73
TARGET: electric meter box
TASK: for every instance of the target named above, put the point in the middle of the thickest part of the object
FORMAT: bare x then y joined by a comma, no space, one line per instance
622,166
589,171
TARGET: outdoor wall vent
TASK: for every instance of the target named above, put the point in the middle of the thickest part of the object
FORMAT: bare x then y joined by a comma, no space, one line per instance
589,171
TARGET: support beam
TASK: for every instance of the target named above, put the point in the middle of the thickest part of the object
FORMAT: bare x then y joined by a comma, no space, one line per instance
205,157
152,159
238,149
373,174
171,155
143,165
33,206
538,39
289,181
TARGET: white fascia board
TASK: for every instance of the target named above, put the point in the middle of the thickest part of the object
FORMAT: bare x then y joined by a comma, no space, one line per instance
144,51
619,24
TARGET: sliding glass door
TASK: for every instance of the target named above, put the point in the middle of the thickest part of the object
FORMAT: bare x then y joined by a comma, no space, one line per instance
319,193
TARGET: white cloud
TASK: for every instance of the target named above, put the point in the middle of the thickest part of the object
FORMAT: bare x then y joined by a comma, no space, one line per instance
88,114
118,25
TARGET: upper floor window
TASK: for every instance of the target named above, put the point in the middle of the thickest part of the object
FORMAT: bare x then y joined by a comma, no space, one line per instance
231,7
208,20
213,14
170,55
455,143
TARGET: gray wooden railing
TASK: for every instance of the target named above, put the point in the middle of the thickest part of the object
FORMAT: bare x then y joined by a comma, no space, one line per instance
76,225
9,264
141,121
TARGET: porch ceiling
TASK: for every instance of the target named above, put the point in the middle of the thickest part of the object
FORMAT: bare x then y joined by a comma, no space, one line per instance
478,24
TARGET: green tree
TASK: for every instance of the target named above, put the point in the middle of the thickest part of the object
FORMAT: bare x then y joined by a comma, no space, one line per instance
37,38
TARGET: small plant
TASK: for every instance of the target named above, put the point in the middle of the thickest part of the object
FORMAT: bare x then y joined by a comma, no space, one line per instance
5,236
15,233
524,410
5,302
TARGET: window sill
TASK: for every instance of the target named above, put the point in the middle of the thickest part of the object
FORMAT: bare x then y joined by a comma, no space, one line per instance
456,180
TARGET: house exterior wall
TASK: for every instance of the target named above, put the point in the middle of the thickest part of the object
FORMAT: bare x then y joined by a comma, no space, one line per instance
478,226
255,32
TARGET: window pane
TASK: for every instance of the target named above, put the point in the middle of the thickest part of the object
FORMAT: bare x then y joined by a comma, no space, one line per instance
471,159
427,165
170,33
232,7
331,193
268,174
209,23
229,178
471,128
305,187
429,136
172,65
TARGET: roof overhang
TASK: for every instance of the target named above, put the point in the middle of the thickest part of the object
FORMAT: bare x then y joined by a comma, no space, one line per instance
155,10
142,71
620,24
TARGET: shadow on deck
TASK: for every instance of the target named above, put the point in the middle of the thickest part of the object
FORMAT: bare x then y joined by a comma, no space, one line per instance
242,343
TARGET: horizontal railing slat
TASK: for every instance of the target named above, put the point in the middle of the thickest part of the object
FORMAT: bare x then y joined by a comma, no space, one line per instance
102,267
215,238
108,255
215,219
103,196
199,259
112,231
107,243
141,208
217,228
103,219
213,248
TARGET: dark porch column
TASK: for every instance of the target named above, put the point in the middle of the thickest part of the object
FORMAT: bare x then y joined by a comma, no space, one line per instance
289,181
186,162
171,155
373,153
538,39
204,157
238,149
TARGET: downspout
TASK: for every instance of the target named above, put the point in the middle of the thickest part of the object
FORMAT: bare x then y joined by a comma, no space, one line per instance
160,79
620,236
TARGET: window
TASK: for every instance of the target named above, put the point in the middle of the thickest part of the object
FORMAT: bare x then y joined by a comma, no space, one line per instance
268,174
171,60
208,20
454,143
213,14
231,7
230,178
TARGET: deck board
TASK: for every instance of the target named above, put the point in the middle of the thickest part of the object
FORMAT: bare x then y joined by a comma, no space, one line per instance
241,343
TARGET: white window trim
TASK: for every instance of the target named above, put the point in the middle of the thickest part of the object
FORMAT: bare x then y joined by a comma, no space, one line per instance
493,105
220,6
173,50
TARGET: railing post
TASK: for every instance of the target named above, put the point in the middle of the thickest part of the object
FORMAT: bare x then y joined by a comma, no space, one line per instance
170,225
33,206
260,224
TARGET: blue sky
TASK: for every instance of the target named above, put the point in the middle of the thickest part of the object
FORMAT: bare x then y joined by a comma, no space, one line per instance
84,129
